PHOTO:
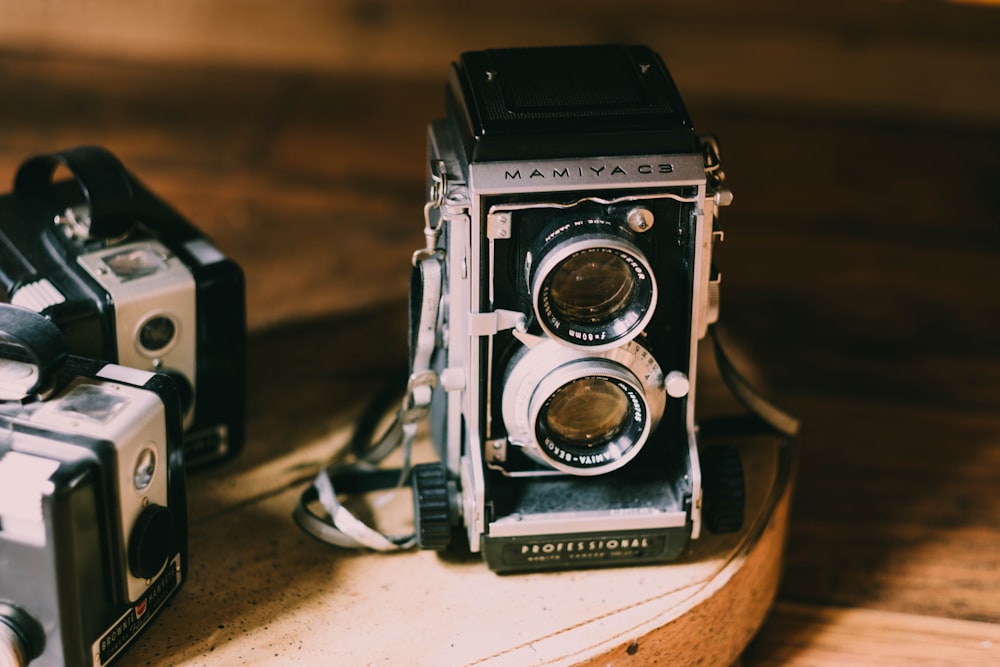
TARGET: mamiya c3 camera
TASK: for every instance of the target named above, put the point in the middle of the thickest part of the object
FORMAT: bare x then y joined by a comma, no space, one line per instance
129,280
93,522
571,224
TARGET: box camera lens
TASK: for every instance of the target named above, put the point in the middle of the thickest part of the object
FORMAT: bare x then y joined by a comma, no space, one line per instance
157,333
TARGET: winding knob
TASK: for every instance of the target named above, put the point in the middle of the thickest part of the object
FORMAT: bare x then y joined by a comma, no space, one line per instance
149,544
432,506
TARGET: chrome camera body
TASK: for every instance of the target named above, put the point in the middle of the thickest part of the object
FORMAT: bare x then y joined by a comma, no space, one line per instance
93,516
131,281
573,213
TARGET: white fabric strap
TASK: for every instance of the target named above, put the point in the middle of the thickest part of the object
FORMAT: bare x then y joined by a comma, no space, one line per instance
357,532
339,526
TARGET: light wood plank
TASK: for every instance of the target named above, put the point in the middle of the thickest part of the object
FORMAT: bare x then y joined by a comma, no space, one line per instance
799,635
908,59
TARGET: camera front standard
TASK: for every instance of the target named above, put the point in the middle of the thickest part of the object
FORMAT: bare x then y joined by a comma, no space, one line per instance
567,281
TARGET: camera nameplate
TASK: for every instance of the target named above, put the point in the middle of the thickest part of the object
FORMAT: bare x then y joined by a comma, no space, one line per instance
490,178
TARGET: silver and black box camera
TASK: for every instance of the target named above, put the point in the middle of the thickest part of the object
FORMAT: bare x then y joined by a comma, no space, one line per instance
572,213
130,281
93,520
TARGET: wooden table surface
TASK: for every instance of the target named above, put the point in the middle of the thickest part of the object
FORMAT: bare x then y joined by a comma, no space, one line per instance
860,271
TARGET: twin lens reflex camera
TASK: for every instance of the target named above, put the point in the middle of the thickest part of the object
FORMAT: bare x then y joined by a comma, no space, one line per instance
129,280
93,521
572,218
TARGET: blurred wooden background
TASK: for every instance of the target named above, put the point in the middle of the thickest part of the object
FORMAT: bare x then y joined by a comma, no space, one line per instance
861,139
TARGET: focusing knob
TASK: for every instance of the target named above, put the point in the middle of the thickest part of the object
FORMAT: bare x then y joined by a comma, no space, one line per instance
724,494
432,506
149,544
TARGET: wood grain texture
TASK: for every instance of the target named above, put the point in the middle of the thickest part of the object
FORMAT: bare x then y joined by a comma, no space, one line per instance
908,59
863,146
817,636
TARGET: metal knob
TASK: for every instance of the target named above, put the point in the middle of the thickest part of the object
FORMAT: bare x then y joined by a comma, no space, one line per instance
723,197
639,219
677,384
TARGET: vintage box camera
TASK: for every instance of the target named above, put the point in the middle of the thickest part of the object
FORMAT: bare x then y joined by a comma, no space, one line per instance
572,221
93,520
129,280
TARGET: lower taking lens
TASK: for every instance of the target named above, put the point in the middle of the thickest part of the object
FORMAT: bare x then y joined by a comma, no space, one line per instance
587,413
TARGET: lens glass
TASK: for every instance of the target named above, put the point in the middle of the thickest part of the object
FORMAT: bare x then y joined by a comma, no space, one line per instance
592,287
587,413
145,468
157,333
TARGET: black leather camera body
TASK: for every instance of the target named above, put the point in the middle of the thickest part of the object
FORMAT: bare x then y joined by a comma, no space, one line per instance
93,514
572,213
129,280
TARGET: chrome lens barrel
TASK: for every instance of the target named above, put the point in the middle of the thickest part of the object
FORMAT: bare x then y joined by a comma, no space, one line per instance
582,414
592,290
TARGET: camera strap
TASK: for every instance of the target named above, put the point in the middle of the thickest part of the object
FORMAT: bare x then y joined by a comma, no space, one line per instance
31,348
337,525
103,180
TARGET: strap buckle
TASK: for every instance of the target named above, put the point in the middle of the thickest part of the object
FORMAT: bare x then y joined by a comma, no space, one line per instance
417,402
432,232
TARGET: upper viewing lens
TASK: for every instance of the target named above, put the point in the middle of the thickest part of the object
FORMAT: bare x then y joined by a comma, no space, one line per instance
592,287
592,290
